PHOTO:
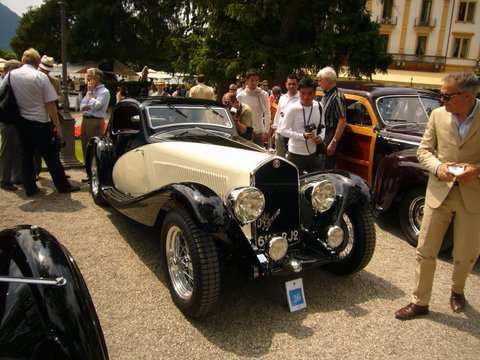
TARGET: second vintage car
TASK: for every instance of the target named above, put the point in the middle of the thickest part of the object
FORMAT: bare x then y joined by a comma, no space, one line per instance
179,164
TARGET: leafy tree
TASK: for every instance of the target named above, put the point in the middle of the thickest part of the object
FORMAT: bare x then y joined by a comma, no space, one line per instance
7,54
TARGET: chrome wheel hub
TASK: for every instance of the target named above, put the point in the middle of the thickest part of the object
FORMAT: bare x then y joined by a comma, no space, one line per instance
415,213
348,238
94,176
179,262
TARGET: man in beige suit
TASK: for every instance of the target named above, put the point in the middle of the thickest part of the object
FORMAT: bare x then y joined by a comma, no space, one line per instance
450,151
201,91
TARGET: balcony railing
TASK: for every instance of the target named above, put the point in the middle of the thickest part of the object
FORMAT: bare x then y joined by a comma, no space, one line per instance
387,20
420,22
433,63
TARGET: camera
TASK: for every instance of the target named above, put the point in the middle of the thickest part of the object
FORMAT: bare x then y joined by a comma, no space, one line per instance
310,128
233,111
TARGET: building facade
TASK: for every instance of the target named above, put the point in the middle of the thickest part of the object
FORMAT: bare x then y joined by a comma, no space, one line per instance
430,35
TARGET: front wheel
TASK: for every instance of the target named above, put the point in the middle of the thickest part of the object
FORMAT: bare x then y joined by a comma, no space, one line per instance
411,215
359,241
190,261
95,185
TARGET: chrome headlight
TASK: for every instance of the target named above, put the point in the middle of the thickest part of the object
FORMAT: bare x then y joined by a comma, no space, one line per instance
247,204
323,195
277,248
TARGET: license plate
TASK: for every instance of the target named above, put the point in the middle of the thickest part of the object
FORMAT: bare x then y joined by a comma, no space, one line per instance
291,236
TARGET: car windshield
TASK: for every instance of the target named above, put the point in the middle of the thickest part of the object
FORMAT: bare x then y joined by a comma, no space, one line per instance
406,109
173,115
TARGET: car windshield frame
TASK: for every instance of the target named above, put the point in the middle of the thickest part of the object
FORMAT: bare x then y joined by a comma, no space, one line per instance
179,109
419,97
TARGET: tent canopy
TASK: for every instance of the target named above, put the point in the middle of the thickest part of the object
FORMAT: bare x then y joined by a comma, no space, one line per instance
116,66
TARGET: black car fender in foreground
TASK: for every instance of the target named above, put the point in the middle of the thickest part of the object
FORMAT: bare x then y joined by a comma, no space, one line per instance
46,311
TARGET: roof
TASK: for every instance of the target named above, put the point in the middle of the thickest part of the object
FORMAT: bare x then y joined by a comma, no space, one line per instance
376,89
172,100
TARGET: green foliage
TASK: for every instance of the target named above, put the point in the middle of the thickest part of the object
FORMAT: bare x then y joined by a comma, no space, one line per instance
220,38
7,54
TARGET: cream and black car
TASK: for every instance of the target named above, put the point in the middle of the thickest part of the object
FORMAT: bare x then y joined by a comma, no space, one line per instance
179,166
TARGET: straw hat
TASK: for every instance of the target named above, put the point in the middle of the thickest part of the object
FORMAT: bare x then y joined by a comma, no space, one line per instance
46,63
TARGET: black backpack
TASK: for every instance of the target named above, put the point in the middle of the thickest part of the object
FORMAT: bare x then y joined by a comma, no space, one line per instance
9,113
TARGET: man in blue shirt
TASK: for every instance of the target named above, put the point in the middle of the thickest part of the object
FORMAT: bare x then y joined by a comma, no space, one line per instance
95,104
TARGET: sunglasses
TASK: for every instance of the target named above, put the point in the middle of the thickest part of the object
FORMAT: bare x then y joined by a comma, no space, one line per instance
448,97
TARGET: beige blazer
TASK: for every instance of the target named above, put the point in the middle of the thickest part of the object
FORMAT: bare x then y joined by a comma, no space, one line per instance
441,143
202,91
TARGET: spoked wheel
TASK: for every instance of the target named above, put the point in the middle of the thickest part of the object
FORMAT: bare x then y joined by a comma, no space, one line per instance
191,264
95,186
411,215
358,244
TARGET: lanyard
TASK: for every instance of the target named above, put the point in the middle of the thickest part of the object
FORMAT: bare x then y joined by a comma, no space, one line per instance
305,122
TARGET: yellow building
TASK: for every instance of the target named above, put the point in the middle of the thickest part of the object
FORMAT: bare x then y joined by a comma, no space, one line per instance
430,35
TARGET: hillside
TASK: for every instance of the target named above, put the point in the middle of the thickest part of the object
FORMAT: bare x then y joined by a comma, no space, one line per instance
8,25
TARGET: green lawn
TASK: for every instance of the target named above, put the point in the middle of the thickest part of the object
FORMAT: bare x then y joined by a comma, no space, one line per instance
78,150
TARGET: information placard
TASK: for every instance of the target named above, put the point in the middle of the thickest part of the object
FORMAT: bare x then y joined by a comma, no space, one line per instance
295,295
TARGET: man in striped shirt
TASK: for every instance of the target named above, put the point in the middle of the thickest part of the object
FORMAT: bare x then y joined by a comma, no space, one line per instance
334,113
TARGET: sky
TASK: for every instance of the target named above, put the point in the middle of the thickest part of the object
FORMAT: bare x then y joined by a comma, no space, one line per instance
20,6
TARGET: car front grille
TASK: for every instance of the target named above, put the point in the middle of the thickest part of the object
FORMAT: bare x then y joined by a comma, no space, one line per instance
278,180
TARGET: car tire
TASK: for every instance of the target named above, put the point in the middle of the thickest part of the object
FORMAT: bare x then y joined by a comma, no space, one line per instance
95,184
411,213
194,280
359,244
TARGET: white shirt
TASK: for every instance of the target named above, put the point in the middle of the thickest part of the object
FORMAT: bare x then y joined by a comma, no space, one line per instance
294,127
283,103
260,105
32,90
97,104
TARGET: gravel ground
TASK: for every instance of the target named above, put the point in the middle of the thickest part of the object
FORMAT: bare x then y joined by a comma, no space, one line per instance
346,318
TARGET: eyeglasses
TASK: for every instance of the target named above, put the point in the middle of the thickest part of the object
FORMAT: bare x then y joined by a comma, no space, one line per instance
448,97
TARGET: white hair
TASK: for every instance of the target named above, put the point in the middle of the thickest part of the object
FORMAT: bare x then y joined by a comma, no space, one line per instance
466,82
96,72
327,73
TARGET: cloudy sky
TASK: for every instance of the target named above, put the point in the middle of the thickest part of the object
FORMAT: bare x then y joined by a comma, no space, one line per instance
20,6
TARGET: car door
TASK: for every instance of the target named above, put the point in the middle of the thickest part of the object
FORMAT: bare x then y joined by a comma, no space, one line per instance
356,149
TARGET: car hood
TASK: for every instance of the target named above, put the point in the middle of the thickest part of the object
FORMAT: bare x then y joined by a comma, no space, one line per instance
221,168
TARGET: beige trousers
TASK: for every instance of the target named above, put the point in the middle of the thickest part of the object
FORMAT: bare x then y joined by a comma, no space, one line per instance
466,245
90,128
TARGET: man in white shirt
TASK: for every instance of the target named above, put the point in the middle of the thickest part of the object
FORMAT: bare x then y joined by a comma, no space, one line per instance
291,97
40,129
302,125
257,100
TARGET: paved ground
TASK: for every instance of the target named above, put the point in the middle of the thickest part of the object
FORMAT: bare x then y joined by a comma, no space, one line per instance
346,318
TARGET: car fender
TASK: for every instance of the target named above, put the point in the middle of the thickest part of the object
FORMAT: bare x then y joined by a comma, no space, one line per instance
44,320
396,173
350,188
102,148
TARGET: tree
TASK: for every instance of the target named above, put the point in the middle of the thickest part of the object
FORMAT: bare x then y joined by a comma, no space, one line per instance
7,54
280,36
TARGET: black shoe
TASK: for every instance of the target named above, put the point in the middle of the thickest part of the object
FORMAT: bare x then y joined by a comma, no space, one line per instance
9,187
69,189
32,192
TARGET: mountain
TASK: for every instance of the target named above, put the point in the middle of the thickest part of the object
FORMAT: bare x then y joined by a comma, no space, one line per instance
8,26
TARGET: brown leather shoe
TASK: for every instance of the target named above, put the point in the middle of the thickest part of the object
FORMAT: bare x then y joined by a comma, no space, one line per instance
411,311
457,302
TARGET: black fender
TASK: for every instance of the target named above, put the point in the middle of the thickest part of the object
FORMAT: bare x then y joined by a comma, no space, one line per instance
102,149
396,173
350,188
41,321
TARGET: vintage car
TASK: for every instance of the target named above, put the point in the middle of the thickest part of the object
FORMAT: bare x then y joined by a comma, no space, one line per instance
384,128
179,164
46,311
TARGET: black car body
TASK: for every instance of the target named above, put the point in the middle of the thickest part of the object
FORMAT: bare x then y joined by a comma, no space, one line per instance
46,311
